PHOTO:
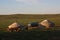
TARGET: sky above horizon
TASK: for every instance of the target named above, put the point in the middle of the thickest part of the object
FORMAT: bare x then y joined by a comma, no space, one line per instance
29,6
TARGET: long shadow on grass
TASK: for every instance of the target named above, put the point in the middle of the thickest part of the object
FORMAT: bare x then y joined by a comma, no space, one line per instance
31,35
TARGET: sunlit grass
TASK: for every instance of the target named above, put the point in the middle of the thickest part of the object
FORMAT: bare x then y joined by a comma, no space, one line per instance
6,20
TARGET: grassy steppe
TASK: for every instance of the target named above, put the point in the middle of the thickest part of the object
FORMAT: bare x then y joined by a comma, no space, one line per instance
36,34
6,20
31,35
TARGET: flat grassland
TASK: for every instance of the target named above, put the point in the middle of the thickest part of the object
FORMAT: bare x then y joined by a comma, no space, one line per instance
6,20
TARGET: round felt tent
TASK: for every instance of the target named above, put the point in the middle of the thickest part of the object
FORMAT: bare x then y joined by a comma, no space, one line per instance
13,27
47,23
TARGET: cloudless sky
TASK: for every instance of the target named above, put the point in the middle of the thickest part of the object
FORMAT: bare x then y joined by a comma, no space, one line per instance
29,6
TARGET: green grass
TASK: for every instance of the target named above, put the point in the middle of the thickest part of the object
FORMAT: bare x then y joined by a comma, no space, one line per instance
6,20
34,34
31,35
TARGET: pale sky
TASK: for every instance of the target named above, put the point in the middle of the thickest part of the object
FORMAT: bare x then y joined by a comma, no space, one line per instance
29,6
